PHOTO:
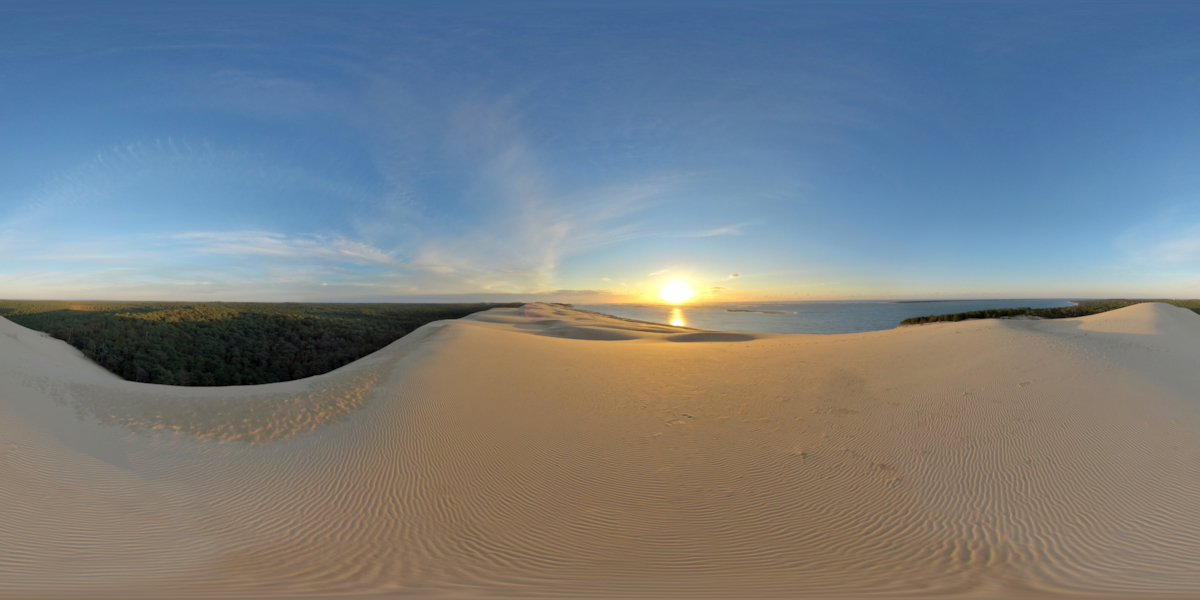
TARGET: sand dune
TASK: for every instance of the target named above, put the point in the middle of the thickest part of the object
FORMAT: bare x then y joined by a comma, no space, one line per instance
550,452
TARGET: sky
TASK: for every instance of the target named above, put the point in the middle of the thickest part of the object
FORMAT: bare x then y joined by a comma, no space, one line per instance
593,151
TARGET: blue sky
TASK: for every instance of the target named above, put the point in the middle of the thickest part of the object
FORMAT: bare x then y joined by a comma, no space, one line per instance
590,152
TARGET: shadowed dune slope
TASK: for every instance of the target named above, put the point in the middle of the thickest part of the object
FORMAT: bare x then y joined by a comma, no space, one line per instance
553,452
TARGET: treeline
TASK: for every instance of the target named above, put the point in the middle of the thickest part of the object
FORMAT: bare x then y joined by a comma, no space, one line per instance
219,343
1082,308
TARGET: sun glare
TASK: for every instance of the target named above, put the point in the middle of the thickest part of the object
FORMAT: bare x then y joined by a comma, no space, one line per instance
675,292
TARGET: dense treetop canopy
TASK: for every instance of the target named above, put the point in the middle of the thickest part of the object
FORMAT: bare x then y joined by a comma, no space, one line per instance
209,344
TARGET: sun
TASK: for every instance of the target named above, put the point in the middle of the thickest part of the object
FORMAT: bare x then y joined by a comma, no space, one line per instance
675,292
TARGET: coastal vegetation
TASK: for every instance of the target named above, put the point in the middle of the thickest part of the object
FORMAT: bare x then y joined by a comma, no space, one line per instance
224,343
1082,308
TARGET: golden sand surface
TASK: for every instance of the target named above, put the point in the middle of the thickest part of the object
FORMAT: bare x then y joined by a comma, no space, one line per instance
553,452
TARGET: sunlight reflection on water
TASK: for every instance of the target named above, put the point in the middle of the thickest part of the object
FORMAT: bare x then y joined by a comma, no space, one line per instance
677,318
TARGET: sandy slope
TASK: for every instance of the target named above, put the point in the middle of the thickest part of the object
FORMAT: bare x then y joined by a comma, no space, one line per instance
550,452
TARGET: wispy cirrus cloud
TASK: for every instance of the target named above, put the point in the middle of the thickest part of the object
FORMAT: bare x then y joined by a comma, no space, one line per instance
516,251
508,232
172,176
296,248
523,224
726,230
1170,239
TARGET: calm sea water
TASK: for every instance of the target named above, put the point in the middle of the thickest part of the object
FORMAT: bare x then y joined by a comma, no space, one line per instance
807,317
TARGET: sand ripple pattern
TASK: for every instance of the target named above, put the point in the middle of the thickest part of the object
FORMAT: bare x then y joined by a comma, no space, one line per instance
257,418
492,459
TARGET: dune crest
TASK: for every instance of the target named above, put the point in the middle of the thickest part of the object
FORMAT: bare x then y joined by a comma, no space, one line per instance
1150,318
547,451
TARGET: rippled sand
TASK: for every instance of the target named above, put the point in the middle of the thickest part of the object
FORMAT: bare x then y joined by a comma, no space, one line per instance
549,452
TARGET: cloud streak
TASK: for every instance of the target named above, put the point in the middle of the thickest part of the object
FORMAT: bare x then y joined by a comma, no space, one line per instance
245,244
1170,240
726,230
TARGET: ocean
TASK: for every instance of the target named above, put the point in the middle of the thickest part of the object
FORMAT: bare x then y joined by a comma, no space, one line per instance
807,317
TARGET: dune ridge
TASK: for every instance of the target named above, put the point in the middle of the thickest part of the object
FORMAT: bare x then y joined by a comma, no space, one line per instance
552,452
